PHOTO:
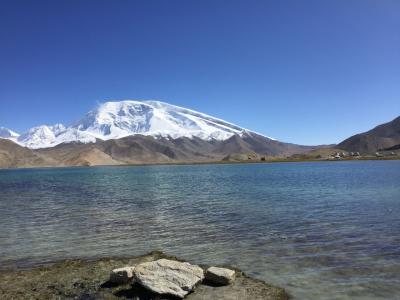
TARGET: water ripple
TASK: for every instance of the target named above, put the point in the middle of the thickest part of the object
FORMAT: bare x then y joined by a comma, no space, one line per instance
321,230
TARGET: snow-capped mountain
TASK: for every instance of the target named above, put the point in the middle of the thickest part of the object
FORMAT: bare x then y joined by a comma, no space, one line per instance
119,119
113,120
49,136
41,136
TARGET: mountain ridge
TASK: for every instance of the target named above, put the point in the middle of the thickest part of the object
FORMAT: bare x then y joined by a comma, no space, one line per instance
145,149
114,120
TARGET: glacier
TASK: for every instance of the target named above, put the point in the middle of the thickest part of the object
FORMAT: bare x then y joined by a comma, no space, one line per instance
118,119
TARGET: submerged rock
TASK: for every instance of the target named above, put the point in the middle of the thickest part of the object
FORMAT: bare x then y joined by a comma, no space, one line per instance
168,277
121,275
220,276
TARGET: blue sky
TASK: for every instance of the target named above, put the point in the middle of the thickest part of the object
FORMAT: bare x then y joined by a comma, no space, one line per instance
307,72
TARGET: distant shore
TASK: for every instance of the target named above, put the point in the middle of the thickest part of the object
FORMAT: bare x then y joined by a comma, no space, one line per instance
222,162
227,162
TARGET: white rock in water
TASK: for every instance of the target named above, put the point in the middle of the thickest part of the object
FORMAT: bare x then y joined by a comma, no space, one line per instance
122,275
169,277
221,276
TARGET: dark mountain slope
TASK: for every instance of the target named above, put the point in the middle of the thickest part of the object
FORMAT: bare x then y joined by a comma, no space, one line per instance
147,149
251,142
381,137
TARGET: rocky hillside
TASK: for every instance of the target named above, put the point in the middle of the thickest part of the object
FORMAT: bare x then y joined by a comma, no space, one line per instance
141,149
13,155
382,137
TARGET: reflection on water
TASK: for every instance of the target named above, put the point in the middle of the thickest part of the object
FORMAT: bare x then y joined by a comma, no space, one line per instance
321,230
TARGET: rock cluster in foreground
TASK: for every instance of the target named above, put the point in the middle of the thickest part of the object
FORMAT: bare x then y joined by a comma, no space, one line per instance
170,277
152,276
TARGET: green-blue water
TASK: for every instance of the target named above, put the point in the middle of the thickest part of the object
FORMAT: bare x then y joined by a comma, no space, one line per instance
326,230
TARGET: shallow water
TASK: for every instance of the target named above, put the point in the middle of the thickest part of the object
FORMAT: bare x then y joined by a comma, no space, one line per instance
328,230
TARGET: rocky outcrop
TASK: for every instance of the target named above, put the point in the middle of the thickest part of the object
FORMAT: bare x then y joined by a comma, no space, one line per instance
220,276
168,277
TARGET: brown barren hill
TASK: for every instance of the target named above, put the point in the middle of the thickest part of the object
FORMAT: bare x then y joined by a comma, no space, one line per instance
13,155
381,137
141,149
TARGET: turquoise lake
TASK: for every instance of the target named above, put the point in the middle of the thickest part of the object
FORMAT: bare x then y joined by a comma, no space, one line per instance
323,230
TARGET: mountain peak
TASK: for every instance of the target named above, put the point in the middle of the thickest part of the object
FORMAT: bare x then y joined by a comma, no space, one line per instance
41,136
150,117
118,119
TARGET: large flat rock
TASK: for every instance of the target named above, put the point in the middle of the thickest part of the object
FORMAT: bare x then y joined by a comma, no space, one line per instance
168,277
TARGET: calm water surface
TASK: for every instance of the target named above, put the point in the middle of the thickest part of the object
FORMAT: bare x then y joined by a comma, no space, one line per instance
321,230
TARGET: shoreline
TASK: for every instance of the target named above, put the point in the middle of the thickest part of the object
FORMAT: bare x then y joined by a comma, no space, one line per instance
217,162
89,279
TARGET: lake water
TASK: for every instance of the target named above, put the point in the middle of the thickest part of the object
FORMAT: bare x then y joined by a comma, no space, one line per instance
328,230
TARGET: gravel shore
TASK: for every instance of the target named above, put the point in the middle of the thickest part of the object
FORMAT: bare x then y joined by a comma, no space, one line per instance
78,279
